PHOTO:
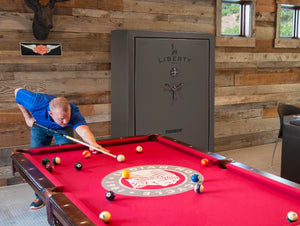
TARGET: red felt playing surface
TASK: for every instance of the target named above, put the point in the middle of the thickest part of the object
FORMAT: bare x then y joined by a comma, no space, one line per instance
231,196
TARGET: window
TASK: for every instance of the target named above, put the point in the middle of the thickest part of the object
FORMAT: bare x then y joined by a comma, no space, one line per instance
236,18
235,23
289,22
287,26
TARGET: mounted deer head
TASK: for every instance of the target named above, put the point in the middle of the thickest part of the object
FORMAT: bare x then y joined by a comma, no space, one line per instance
42,21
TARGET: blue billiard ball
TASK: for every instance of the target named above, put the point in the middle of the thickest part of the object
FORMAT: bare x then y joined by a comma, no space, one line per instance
195,177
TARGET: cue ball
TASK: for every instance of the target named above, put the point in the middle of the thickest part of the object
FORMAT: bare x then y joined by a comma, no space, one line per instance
204,162
45,161
139,149
292,216
110,195
195,177
78,165
126,174
105,216
49,167
121,158
86,154
56,160
199,188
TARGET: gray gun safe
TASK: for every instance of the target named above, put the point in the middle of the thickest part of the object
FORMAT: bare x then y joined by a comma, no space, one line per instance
163,82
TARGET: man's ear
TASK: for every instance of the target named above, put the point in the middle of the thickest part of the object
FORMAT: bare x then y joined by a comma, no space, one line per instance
50,113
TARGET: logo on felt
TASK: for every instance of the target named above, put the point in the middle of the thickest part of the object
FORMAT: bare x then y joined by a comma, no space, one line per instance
151,180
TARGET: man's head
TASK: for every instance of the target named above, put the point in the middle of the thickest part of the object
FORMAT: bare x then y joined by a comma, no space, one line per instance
60,111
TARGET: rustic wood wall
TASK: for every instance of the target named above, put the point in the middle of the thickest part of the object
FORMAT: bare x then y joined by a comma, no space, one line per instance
249,81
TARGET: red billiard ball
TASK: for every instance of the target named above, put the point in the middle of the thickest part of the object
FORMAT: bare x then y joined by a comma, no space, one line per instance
204,162
49,167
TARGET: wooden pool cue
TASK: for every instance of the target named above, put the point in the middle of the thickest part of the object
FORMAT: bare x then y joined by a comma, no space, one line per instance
76,140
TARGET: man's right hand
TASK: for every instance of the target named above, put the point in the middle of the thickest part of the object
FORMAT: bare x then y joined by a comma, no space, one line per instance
30,122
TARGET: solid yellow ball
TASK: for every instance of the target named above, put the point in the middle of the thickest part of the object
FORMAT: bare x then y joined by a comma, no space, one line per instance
126,174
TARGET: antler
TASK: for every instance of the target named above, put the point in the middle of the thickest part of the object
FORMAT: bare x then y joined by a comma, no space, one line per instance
42,21
33,4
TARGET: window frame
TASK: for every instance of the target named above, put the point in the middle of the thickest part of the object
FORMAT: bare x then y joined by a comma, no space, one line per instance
235,40
286,42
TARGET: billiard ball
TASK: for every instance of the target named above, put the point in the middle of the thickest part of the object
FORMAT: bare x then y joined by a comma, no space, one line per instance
126,174
86,154
292,216
105,216
49,167
110,195
195,177
56,160
45,161
204,162
199,188
121,158
139,149
78,165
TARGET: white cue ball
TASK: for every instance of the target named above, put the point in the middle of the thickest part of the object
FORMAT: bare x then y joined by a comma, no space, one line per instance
139,149
121,158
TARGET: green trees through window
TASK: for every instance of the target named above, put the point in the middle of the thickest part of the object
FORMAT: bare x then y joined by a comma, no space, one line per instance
230,19
286,22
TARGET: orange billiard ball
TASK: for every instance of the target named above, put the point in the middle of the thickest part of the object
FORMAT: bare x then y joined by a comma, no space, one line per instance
105,216
204,162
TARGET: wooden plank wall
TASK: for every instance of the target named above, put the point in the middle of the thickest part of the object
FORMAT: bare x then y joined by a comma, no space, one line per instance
249,81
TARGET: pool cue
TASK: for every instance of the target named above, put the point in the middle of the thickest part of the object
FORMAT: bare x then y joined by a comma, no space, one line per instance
73,139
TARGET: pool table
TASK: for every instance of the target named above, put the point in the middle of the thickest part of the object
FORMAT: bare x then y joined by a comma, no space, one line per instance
159,190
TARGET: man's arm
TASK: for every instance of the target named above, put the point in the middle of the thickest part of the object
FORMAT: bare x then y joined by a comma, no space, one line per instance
29,119
85,133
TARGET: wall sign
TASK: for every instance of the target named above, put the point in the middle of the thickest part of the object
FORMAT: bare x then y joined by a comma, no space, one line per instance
40,49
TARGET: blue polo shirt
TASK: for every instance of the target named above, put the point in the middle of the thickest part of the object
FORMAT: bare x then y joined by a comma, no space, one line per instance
38,105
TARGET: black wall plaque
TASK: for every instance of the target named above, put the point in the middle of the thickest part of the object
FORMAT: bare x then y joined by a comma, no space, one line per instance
40,49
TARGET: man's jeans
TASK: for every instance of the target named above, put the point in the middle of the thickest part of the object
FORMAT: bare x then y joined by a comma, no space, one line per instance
41,137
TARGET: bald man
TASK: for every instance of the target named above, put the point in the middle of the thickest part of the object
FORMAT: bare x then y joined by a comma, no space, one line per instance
55,113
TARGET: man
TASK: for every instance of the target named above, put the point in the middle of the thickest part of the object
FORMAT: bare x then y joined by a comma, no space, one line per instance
55,113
